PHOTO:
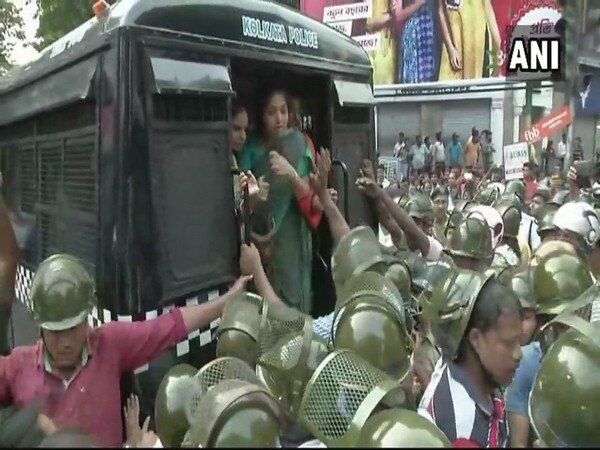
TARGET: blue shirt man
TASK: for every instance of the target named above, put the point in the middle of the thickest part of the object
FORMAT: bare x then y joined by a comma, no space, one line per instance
517,395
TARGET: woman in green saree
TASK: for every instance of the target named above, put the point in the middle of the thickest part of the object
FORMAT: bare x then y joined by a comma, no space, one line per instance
284,157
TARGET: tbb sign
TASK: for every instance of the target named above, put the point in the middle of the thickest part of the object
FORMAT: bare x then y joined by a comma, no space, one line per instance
535,50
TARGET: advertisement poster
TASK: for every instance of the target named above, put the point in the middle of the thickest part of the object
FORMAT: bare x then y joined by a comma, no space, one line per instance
547,126
587,102
515,156
419,41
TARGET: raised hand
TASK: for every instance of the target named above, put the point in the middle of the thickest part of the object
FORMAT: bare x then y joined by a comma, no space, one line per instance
369,187
281,166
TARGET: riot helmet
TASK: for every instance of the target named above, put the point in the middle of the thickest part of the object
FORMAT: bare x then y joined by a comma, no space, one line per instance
401,428
493,220
560,198
546,221
239,327
449,309
62,293
170,404
343,393
558,279
398,273
288,354
581,219
517,188
488,195
521,283
372,322
563,406
471,239
233,413
511,217
420,207
356,252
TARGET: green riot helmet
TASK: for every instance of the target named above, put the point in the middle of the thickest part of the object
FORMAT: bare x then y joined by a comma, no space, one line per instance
169,407
560,198
239,327
546,221
472,239
420,207
501,270
287,347
62,293
453,220
564,406
401,428
287,384
402,200
233,413
342,394
462,205
356,252
515,187
488,195
373,323
511,199
207,378
449,309
558,279
398,273
521,283
220,369
511,217
433,273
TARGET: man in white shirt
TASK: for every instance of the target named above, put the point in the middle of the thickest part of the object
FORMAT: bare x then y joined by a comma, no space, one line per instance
418,152
401,153
439,154
562,151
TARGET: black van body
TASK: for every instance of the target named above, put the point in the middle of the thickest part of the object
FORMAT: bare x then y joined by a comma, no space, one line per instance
113,148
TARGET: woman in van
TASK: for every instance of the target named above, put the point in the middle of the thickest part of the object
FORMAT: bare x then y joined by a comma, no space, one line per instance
284,156
238,133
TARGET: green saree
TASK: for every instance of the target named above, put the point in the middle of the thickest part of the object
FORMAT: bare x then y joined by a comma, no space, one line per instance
291,264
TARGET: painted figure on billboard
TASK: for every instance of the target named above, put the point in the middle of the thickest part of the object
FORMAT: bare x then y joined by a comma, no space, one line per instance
416,41
465,26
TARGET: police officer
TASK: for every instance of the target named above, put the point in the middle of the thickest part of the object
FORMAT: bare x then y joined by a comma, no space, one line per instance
83,364
470,244
564,402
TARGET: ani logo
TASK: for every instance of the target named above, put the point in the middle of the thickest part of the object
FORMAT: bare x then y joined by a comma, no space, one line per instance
535,47
535,55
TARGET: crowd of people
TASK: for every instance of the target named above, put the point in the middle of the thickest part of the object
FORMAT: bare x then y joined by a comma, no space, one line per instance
469,321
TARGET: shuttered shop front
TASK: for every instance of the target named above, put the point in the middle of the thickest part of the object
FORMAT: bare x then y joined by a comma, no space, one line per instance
394,118
461,116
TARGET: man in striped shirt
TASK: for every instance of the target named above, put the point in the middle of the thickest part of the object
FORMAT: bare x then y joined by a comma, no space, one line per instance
477,323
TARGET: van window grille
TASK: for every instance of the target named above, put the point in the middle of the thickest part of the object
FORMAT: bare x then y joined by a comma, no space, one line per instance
56,162
27,178
189,108
79,177
50,155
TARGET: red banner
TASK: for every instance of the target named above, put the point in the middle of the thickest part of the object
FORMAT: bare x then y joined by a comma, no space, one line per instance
558,120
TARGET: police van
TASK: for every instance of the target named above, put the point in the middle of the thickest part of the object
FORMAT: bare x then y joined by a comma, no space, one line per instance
114,148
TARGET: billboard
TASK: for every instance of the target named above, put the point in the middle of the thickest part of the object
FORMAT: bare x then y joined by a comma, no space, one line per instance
419,41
